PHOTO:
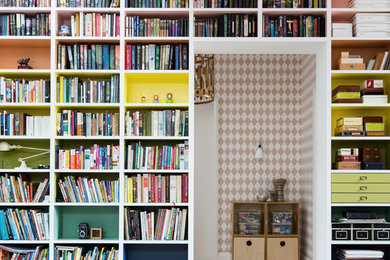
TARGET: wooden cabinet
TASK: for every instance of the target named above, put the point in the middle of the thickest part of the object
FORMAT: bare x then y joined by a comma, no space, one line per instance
282,248
248,248
265,231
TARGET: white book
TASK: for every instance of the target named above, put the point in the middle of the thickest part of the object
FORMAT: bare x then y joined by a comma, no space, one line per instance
183,224
172,188
178,188
139,188
384,60
152,54
81,24
371,64
147,57
375,99
370,27
372,34
145,190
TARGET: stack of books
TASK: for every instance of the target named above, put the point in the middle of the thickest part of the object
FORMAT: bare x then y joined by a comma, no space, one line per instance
370,25
351,62
349,126
346,94
349,254
75,252
372,92
341,30
369,3
371,158
374,126
12,252
347,159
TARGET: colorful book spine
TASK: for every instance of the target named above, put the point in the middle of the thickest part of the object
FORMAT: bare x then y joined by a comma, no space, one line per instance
288,26
21,124
24,91
136,26
25,24
157,3
86,253
18,189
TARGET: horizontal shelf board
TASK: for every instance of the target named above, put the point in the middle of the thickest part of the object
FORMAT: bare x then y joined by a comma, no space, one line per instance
88,72
360,204
156,137
69,10
26,242
87,105
87,137
87,39
86,241
293,11
352,42
87,171
274,236
210,12
26,42
360,138
155,10
21,204
28,10
336,72
358,105
156,105
156,71
29,171
156,39
164,242
24,38
156,171
156,204
81,204
360,10
25,137
360,171
24,105
346,242
248,236
16,71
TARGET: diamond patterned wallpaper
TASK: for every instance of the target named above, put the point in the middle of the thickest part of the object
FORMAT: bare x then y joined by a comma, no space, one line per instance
259,102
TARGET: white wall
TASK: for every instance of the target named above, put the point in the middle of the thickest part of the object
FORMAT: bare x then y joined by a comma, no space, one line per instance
206,186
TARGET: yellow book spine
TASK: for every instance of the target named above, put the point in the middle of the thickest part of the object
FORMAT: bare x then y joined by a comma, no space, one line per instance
61,89
130,189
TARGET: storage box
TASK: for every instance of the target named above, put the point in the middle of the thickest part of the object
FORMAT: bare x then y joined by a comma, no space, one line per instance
362,232
347,165
341,231
355,66
249,228
373,165
281,229
282,217
249,216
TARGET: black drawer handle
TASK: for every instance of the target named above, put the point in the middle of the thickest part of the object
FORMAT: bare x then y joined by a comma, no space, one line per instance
248,243
282,243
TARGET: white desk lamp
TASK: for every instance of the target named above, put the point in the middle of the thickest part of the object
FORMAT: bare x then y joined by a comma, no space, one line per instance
6,147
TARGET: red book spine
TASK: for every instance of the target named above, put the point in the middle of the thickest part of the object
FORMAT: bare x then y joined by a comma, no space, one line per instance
315,27
295,28
184,188
155,190
117,26
78,165
348,158
152,187
128,57
180,56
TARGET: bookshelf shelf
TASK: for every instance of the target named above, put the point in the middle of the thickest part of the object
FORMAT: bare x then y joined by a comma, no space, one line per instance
88,171
156,171
361,171
360,138
156,105
86,241
21,204
89,105
81,204
25,105
155,204
294,11
6,137
354,72
156,71
33,171
166,11
342,205
157,39
87,137
29,10
23,242
79,39
70,10
163,242
156,138
87,72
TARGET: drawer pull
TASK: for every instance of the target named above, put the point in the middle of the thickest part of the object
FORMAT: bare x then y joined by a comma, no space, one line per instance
363,178
363,198
364,188
248,243
282,243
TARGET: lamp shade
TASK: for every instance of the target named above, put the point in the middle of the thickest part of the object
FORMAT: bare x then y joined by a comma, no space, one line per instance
5,147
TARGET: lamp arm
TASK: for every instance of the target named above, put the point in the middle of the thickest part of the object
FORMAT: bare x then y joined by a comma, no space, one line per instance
29,148
32,156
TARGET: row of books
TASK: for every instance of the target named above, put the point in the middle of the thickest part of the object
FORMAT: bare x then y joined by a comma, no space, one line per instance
368,92
142,225
88,190
369,25
285,26
380,62
136,26
225,4
22,25
88,56
294,3
157,4
77,90
24,91
25,3
369,4
21,124
157,157
21,189
13,252
94,158
22,224
95,25
88,3
156,188
78,253
156,57
157,123
228,25
75,123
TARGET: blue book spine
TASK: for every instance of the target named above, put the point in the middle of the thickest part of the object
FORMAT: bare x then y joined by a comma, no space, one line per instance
85,191
109,124
177,63
133,56
93,60
137,26
272,29
3,228
14,231
106,57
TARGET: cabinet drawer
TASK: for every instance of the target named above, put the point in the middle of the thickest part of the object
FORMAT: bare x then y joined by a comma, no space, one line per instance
248,248
282,248
360,197
361,177
361,187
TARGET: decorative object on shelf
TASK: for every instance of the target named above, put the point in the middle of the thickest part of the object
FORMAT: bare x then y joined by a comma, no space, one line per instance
279,186
143,98
6,147
64,30
204,79
7,165
259,152
271,195
351,62
169,98
23,64
261,198
156,99
96,233
83,231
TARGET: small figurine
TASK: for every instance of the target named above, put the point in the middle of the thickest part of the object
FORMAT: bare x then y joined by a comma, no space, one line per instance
155,99
23,64
143,99
65,30
169,98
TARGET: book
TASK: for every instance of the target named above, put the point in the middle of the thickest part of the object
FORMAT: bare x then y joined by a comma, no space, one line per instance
375,99
157,4
24,91
87,253
21,24
22,124
282,26
350,121
136,26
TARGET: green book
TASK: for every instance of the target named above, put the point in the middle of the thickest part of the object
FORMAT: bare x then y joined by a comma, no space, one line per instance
342,95
112,57
158,47
289,4
148,123
375,126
